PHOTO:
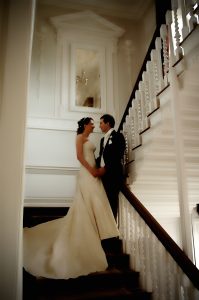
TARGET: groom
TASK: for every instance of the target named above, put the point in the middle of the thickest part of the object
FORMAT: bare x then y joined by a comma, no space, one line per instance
112,148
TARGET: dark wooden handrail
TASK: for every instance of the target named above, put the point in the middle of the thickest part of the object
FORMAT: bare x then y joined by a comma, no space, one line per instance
178,254
161,8
139,78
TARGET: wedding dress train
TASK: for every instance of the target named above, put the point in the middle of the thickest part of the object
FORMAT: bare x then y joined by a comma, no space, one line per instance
71,246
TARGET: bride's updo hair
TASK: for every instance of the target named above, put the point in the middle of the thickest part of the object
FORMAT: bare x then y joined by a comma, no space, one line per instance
81,123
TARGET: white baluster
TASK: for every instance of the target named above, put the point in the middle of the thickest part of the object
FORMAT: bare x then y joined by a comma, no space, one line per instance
155,268
145,120
179,289
156,76
170,281
196,10
131,133
126,143
190,10
132,136
128,138
137,253
187,286
182,10
177,35
149,69
172,58
132,127
162,272
165,48
147,241
145,78
137,137
128,228
132,238
142,254
139,110
134,241
158,46
121,217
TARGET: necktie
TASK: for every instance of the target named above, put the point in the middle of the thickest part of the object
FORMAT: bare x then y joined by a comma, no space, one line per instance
102,163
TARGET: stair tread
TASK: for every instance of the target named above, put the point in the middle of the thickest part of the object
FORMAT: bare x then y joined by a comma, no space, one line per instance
118,293
107,272
92,281
117,282
109,283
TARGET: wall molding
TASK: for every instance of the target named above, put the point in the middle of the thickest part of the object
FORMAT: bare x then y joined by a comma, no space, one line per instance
52,170
60,124
48,202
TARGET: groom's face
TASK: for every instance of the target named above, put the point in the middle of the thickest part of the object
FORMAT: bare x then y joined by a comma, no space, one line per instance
104,126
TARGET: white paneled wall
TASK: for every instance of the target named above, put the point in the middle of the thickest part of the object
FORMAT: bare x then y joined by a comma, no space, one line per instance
52,166
49,189
53,148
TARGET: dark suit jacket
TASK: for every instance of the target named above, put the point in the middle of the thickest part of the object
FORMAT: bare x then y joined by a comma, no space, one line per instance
113,155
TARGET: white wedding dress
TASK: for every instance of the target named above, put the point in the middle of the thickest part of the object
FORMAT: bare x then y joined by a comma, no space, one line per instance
71,246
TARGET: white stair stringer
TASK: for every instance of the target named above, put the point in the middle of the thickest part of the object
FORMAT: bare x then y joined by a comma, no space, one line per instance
152,175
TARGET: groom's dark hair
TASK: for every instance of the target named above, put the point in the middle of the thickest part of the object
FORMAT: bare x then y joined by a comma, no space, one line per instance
108,119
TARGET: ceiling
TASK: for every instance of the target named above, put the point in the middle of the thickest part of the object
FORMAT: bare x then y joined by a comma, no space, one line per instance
125,9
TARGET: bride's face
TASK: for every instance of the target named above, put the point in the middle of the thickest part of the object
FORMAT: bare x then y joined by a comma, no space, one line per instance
90,126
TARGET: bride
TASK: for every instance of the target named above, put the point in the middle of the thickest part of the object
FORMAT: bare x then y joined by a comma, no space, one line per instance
69,247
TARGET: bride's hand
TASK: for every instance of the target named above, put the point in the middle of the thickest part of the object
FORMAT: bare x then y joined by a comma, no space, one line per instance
94,172
98,172
101,171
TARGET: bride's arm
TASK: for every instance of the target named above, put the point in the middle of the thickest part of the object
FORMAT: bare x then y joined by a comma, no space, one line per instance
80,155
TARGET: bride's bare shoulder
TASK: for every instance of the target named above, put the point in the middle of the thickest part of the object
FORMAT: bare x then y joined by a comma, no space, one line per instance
81,138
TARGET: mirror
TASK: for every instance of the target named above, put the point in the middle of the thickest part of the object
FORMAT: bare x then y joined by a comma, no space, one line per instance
88,81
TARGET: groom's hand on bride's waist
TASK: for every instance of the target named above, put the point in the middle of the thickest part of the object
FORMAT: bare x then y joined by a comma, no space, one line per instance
101,171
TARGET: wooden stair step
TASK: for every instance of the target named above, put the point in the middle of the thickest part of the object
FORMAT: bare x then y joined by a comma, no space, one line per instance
120,261
112,245
117,282
107,279
110,284
117,294
37,215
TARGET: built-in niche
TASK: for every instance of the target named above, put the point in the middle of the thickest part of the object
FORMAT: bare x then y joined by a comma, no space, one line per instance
88,82
88,76
86,44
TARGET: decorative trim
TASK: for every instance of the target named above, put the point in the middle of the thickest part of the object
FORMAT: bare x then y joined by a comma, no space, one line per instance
59,124
48,202
77,21
51,170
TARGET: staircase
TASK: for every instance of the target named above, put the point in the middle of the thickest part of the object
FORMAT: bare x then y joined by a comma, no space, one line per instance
154,164
117,282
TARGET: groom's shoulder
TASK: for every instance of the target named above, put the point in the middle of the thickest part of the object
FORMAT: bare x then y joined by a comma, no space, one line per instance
117,134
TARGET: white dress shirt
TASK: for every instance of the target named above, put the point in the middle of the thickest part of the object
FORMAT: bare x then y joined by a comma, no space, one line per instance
106,137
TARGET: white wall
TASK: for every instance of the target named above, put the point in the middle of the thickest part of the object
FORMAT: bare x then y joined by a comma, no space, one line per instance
15,78
52,123
52,166
43,72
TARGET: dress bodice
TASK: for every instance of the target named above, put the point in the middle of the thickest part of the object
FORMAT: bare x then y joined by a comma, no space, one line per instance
88,149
